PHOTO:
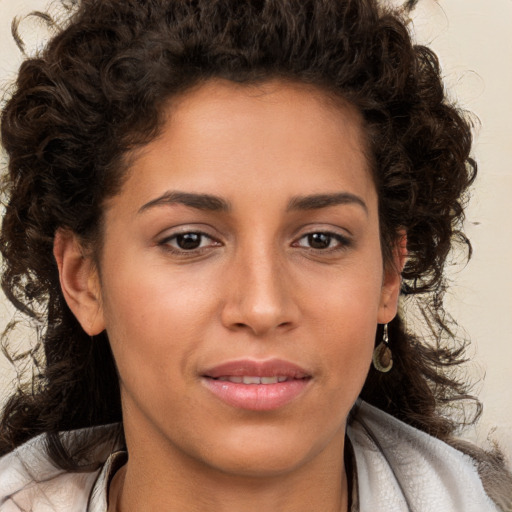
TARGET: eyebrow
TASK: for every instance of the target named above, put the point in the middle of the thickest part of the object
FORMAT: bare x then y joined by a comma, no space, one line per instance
199,201
318,201
213,203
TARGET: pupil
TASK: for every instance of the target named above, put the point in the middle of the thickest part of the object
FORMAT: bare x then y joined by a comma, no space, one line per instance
189,241
319,240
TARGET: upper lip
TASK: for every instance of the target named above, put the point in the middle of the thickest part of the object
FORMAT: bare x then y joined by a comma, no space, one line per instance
247,367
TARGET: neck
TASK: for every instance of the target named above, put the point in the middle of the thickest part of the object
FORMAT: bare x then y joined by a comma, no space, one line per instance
159,480
126,497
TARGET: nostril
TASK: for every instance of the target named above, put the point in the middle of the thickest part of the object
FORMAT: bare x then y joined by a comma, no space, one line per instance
259,313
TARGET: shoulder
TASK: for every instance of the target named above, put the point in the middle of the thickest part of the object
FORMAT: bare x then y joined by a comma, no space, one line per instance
402,468
30,481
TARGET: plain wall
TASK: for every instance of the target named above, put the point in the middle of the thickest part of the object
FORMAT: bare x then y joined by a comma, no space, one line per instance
474,43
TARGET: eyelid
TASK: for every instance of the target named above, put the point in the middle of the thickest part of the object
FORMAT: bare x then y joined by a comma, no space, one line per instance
322,227
187,232
334,236
183,229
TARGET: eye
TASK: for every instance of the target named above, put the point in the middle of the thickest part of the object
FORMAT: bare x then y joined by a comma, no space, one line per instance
188,241
322,241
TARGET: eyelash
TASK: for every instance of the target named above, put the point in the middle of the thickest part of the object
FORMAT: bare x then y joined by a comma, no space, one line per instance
342,242
166,243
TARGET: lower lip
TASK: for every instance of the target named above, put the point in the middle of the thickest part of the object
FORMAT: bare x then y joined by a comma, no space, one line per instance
257,397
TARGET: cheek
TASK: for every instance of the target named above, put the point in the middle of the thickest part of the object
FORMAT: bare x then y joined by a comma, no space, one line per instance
344,313
345,298
155,318
348,345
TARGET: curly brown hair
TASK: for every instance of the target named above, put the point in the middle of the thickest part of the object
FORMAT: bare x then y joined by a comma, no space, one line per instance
97,91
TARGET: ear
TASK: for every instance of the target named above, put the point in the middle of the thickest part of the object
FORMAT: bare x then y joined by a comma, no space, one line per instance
392,280
79,281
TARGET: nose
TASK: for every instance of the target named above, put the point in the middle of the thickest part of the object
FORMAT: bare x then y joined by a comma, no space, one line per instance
259,294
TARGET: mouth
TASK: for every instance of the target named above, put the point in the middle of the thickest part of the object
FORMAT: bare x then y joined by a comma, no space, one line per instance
246,379
257,385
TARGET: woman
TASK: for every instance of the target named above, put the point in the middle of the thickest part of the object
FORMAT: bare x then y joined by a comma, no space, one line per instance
213,209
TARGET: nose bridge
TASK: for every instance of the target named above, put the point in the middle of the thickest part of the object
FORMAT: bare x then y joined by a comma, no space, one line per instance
259,295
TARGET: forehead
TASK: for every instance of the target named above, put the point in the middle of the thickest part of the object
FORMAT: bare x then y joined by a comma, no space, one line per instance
272,105
275,133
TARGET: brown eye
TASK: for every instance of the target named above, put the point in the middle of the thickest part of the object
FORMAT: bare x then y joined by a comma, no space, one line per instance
323,241
189,241
319,240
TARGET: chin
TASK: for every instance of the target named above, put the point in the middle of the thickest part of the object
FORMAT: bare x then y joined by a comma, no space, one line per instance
264,456
259,466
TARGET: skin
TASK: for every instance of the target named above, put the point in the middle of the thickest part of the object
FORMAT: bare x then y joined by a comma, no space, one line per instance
254,289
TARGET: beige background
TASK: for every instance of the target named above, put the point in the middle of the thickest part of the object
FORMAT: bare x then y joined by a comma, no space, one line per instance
474,41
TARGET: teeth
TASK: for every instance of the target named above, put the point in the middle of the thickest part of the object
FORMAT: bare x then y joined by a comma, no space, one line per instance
251,380
237,380
248,379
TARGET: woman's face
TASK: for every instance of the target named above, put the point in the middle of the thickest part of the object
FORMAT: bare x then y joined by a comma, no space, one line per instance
241,280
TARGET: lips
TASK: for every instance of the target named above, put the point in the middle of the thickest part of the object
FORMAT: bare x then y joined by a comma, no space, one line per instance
257,385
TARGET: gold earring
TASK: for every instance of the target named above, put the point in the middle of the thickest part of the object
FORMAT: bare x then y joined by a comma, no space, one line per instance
382,355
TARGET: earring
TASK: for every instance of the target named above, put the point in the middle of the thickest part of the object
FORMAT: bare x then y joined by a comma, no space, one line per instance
382,355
